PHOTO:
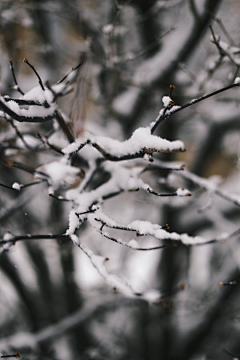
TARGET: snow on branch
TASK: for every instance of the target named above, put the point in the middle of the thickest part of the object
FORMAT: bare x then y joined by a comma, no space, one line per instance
34,114
141,143
142,228
38,105
99,262
118,284
122,178
170,108
132,244
59,174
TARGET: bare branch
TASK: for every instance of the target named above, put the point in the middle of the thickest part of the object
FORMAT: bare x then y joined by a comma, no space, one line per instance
14,78
32,67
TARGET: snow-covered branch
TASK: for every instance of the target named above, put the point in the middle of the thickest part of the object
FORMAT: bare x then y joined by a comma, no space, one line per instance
141,143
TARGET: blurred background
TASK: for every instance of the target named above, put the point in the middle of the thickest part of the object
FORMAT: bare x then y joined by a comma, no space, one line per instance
134,51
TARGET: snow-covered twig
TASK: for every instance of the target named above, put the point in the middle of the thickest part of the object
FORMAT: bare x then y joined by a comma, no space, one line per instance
24,115
164,114
145,228
132,244
99,262
141,143
179,192
18,187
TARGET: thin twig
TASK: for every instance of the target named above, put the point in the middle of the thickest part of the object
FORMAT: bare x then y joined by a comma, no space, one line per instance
10,356
227,352
165,114
64,126
59,198
14,78
46,142
19,134
208,185
82,60
23,186
226,33
33,68
18,238
161,194
120,242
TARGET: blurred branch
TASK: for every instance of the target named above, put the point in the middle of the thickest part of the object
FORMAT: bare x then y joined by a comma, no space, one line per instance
31,340
196,337
210,186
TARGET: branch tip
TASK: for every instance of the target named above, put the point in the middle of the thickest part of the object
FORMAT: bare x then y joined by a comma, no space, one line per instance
172,87
9,356
36,73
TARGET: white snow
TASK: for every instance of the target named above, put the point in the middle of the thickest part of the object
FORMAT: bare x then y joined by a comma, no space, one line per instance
17,186
107,29
183,192
237,80
32,111
99,262
146,228
133,244
73,222
166,100
59,173
153,296
39,95
8,236
140,139
73,147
